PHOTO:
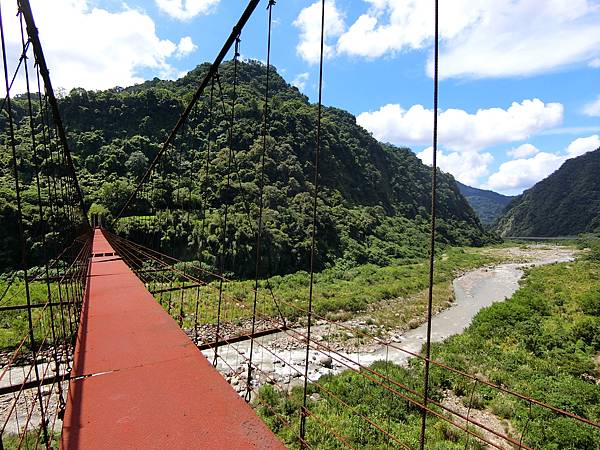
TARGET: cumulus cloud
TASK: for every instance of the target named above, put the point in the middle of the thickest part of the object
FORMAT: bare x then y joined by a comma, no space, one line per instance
522,151
467,167
518,174
593,108
583,145
458,129
186,9
464,137
300,80
185,47
309,24
99,49
481,38
390,26
571,130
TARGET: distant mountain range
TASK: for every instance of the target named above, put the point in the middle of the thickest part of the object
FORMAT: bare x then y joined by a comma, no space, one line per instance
488,205
564,204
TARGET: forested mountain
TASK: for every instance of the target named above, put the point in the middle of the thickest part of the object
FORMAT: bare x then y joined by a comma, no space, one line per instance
488,205
564,204
374,198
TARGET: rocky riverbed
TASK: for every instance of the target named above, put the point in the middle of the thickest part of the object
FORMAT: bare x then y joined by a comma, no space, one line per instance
280,357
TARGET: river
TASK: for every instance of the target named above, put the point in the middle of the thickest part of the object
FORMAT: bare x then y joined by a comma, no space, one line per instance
284,363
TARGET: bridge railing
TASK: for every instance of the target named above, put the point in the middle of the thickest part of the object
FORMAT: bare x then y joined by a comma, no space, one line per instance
46,241
271,372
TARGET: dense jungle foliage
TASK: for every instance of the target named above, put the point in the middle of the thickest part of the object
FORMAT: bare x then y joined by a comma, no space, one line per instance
373,203
543,342
566,203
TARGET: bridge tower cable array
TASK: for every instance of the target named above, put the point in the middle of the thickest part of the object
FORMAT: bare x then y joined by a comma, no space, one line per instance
40,60
130,311
224,322
212,72
51,233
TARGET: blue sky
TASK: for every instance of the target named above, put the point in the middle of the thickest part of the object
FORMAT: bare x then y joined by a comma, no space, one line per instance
520,79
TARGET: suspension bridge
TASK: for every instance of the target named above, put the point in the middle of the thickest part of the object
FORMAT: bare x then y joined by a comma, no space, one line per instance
126,346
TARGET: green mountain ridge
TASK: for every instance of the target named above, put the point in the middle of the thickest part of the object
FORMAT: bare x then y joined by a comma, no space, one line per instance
488,205
565,203
374,198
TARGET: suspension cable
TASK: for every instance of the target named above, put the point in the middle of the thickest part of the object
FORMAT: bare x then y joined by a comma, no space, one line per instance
314,228
20,226
224,239
432,234
260,201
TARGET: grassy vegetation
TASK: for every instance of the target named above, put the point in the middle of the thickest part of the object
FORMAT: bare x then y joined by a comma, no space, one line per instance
339,293
32,439
14,325
543,342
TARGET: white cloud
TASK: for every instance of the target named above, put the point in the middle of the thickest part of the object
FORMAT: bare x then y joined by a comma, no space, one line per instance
467,167
185,47
593,108
391,26
309,24
300,80
595,63
186,9
518,174
583,145
481,38
99,49
463,137
523,151
458,129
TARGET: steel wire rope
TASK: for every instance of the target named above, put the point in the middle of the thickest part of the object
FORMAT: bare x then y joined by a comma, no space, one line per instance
422,438
265,132
224,237
314,225
20,225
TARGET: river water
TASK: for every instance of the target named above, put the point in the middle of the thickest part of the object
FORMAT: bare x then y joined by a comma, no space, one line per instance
473,291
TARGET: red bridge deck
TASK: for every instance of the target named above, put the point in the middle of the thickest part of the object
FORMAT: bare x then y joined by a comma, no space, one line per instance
146,385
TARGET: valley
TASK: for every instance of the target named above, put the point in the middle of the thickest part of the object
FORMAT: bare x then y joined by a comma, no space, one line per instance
369,337
292,247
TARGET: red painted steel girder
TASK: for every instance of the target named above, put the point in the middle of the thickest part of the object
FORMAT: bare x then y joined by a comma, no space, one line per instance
143,383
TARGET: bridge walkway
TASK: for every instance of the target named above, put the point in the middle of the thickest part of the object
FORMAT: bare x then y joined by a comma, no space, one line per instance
139,382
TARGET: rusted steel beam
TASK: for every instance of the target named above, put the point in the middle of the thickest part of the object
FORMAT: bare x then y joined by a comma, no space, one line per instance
243,338
34,384
33,306
178,288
